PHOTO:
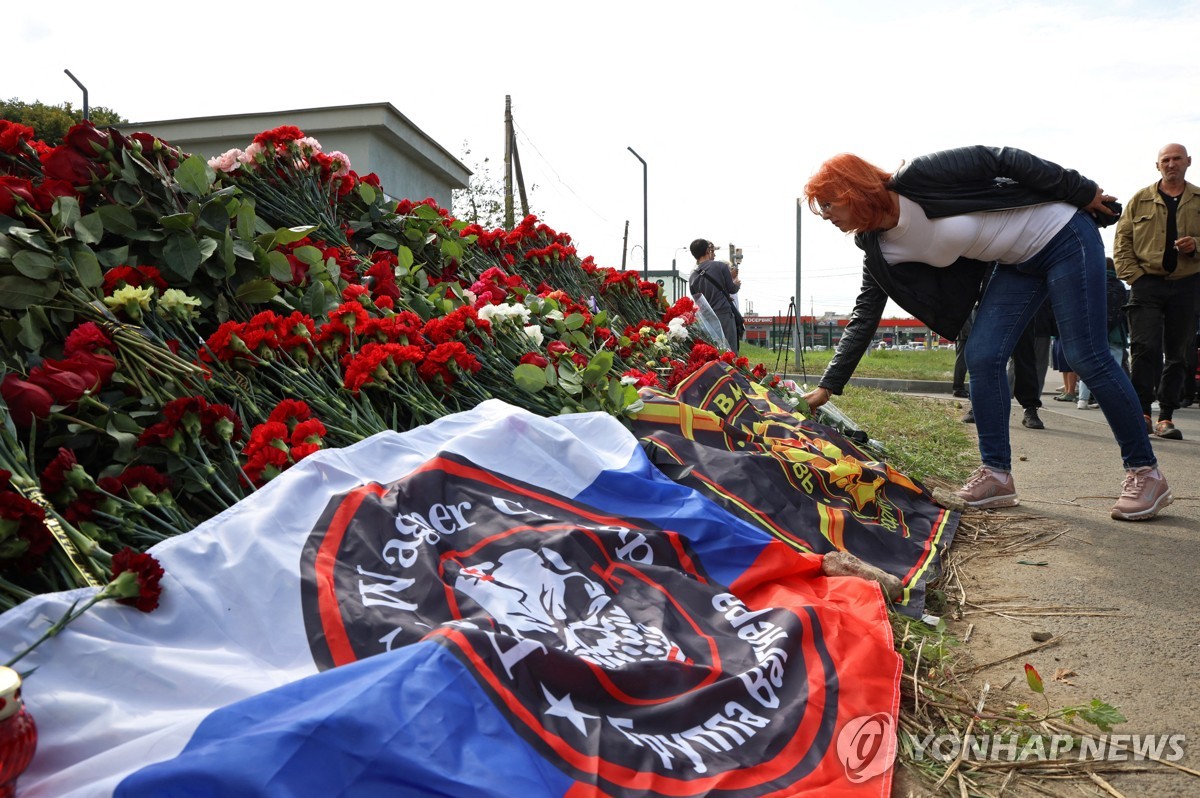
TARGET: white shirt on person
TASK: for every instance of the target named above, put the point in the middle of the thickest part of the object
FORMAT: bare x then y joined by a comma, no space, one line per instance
1007,236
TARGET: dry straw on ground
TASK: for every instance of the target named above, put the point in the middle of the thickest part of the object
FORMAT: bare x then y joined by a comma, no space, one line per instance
944,693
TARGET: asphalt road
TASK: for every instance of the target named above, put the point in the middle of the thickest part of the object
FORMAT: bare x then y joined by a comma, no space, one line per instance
1141,650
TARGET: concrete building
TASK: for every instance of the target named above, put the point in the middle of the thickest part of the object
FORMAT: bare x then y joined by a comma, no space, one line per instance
376,137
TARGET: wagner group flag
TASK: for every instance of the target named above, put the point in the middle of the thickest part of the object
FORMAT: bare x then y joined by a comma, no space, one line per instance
495,604
800,481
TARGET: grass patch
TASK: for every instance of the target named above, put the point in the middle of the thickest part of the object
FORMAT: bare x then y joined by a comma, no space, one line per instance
932,364
921,437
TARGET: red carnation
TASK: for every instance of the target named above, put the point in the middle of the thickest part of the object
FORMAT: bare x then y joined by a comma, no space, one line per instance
145,583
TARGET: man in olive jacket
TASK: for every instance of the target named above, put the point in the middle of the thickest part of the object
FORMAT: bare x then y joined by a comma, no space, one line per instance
1155,250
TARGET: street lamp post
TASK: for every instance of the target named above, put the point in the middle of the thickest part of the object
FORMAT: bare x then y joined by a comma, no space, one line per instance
84,89
645,216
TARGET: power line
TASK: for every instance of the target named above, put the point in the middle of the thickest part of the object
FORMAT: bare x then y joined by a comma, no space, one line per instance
557,176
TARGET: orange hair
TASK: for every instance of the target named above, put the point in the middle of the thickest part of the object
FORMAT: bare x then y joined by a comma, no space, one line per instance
861,185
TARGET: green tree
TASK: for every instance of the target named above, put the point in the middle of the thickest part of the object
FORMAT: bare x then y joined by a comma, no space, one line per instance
482,202
51,122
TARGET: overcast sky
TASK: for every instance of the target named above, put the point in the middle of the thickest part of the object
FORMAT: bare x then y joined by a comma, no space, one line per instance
732,105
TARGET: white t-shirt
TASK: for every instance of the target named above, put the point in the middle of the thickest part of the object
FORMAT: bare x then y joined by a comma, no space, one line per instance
1008,236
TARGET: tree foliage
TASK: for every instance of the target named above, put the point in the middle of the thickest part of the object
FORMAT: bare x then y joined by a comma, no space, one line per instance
51,122
482,202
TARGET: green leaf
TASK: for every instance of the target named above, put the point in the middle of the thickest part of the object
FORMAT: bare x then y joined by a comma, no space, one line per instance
281,267
18,293
195,176
207,247
367,192
290,235
117,219
182,254
384,241
31,238
64,212
31,330
1034,679
314,300
405,257
228,253
89,229
214,217
126,443
257,291
246,219
112,258
599,366
1101,714
310,255
574,321
568,379
427,213
87,267
529,377
178,221
34,265
451,248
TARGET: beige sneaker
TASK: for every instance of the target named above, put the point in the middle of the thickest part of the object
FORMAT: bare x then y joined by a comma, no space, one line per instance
987,488
1143,494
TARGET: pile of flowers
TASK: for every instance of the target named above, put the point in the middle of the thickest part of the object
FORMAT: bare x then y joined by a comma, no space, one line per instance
178,332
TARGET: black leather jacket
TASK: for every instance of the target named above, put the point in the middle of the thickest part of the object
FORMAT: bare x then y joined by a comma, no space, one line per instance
947,183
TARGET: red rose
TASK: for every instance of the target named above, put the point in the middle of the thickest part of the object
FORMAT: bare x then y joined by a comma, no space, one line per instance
64,163
12,134
64,385
148,573
26,401
50,190
95,369
533,358
12,190
85,138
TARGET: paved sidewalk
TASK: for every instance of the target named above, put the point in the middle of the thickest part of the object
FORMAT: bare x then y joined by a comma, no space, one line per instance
1143,654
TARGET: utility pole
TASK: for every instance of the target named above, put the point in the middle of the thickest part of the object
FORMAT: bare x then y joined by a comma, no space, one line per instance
508,157
512,161
625,245
799,212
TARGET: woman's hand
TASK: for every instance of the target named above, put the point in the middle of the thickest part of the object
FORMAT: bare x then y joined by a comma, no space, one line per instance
816,397
1097,206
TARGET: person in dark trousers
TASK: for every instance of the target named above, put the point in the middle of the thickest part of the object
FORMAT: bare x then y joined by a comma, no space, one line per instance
1118,328
929,233
958,387
1156,253
713,280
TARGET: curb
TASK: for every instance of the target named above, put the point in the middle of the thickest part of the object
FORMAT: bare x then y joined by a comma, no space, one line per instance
904,386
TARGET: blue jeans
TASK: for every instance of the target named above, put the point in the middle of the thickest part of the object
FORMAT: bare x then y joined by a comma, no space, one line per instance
1070,271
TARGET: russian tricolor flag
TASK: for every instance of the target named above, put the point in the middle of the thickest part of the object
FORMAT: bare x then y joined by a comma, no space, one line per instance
495,604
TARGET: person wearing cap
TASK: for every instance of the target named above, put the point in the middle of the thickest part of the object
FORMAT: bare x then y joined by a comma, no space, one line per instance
715,281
